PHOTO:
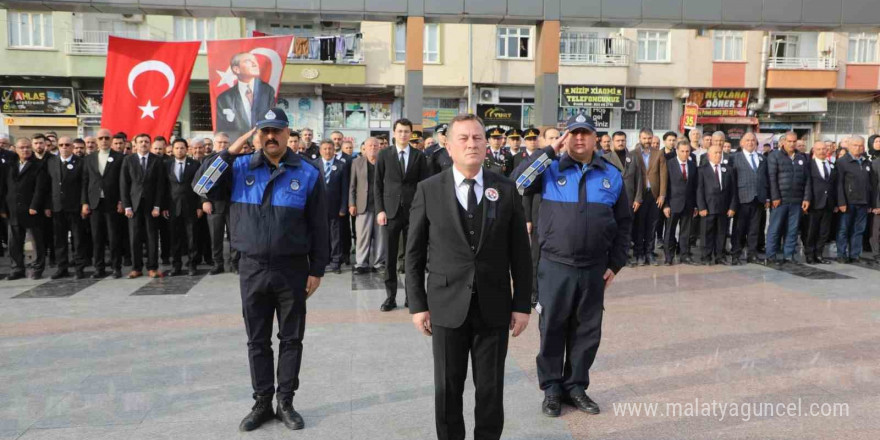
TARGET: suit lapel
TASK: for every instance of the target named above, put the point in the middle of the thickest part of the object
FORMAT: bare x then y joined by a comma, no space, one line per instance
411,162
488,207
452,204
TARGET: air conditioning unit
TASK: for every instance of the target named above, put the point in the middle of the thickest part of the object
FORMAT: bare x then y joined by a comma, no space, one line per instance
632,105
488,95
133,18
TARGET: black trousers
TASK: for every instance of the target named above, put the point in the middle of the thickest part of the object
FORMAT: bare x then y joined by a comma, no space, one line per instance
345,239
219,224
748,224
818,231
202,232
182,241
144,226
124,238
645,226
570,320
165,247
69,223
17,234
270,290
48,234
393,229
536,257
683,220
714,236
336,239
487,347
106,232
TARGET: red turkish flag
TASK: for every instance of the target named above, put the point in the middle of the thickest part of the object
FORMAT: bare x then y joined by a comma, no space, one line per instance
145,84
255,63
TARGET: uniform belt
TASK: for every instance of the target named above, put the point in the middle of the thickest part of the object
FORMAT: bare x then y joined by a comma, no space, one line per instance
291,262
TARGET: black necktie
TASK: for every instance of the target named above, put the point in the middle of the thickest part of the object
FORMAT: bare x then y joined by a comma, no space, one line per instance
472,195
827,170
402,163
144,163
180,172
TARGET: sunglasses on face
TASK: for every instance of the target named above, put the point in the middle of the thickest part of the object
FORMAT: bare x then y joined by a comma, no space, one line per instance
103,138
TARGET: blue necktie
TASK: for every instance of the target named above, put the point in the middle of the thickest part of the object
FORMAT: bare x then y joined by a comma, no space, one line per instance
752,158
327,166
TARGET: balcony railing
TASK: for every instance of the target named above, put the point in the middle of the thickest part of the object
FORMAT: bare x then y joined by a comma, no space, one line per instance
95,42
592,51
797,63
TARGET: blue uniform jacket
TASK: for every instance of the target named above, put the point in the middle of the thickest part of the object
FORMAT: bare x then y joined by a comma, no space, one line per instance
274,215
584,218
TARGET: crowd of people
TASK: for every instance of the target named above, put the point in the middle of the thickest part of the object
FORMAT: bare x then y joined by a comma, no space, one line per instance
696,198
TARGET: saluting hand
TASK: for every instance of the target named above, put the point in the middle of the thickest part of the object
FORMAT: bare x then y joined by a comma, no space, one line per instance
236,146
422,322
518,322
561,141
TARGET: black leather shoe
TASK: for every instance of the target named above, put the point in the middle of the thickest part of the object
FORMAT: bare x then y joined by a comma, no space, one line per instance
582,402
260,413
235,269
117,274
687,260
388,305
216,270
735,262
669,262
37,275
61,273
552,406
809,260
15,276
820,260
99,274
751,259
79,274
289,416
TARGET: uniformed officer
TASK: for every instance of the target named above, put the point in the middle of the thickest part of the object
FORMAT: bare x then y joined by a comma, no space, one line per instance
497,159
279,224
514,140
438,157
530,136
417,140
584,233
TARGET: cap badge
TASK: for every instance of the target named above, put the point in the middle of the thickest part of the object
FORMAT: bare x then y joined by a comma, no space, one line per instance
270,115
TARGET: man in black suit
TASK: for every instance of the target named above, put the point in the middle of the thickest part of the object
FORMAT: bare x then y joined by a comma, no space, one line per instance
753,197
335,175
681,202
310,149
142,188
100,201
218,217
25,186
398,171
183,207
472,221
65,176
823,203
716,200
248,100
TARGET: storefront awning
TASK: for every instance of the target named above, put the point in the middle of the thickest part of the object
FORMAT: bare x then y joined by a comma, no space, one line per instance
736,120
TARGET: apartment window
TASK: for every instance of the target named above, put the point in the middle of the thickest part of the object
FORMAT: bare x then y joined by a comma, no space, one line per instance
862,48
729,46
431,49
654,114
200,112
845,118
513,42
653,46
784,45
30,29
194,29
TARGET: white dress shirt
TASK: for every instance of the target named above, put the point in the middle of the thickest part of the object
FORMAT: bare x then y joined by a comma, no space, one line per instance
821,165
242,91
406,152
461,188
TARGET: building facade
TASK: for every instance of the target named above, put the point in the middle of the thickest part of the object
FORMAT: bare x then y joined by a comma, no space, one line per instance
820,84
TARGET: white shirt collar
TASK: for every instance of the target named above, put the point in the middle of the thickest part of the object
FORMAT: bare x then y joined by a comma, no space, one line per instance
180,161
141,157
459,178
242,86
680,162
405,151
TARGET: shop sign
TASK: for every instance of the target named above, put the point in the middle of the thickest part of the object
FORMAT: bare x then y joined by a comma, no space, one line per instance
591,96
507,116
720,102
798,105
90,102
37,101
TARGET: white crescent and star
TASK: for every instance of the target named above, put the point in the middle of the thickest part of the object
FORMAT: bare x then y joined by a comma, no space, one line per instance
149,109
227,78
